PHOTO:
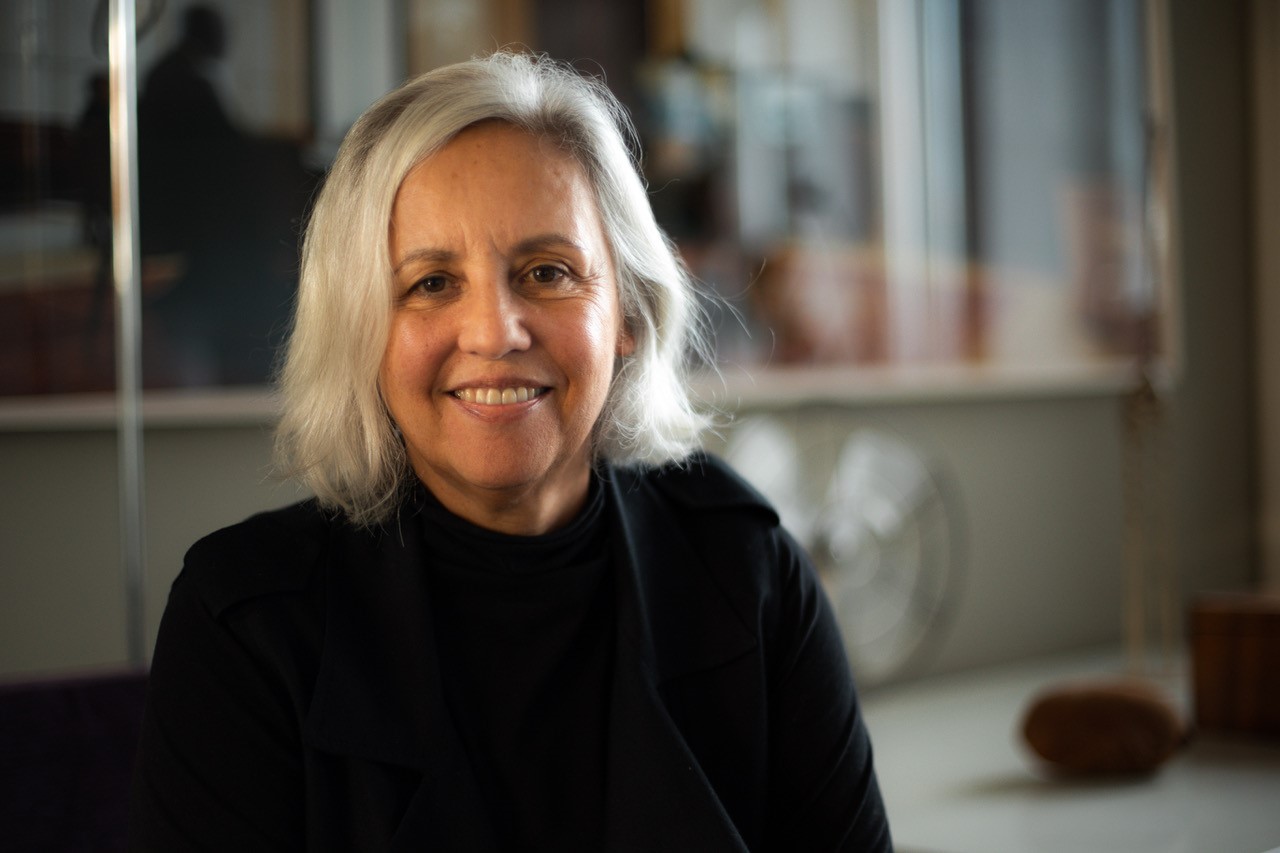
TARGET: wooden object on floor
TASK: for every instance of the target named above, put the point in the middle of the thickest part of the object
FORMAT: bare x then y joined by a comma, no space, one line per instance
1103,726
1235,658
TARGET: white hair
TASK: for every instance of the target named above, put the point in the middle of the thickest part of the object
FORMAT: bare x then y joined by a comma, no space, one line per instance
335,433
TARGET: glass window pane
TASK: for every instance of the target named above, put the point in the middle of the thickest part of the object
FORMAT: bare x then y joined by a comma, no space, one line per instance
61,590
223,122
56,323
865,182
872,183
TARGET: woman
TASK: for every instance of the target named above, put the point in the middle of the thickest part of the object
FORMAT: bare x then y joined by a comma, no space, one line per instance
518,614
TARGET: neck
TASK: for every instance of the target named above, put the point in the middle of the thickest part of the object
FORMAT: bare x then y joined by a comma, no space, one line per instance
527,510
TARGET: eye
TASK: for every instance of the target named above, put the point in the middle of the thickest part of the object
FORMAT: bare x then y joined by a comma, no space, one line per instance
430,284
546,274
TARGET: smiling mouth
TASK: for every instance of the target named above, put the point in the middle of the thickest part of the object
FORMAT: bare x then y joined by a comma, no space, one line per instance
498,396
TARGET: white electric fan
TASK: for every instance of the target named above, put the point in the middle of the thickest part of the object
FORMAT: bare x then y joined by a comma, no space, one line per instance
872,514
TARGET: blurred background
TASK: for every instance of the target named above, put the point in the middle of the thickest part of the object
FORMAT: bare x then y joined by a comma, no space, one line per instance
991,281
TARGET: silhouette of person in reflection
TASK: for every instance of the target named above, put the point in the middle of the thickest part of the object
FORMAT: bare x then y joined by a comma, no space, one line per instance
221,202
180,85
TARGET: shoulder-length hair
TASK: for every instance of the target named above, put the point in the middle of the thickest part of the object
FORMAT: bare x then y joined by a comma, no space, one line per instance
335,433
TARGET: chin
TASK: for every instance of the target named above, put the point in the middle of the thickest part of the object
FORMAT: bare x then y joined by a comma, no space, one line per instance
497,475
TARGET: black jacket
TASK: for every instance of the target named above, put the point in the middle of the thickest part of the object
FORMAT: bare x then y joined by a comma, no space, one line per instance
295,700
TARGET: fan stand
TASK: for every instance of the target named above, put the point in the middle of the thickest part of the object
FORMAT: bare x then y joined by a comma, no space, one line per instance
1128,724
1151,588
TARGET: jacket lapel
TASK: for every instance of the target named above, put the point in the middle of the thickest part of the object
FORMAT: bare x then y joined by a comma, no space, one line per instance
672,621
378,694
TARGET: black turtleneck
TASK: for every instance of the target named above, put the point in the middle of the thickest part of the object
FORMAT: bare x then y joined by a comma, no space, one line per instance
525,629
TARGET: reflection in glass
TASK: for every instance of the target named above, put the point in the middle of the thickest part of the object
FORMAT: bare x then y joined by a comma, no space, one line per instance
960,180
222,125
862,181
220,205
55,313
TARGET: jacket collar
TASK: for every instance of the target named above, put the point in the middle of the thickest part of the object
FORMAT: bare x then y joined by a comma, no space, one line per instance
378,693
667,598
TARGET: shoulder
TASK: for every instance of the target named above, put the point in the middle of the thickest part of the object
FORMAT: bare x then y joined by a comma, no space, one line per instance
271,552
702,483
700,511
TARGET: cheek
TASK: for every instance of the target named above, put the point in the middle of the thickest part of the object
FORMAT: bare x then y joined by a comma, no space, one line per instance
597,349
603,333
406,357
392,363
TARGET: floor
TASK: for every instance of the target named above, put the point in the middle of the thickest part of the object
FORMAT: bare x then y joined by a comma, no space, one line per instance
956,778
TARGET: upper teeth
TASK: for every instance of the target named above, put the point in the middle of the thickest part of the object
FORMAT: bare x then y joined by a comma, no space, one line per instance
497,396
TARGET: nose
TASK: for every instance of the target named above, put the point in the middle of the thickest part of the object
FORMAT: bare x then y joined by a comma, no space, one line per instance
492,321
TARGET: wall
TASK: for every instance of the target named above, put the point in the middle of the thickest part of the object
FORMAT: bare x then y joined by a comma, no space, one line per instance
61,582
1033,486
1214,465
1036,481
1038,477
1266,141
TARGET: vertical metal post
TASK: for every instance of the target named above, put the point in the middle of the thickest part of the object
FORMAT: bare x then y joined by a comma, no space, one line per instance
125,269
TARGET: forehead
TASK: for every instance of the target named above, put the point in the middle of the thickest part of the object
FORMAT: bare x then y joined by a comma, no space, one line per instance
490,151
493,177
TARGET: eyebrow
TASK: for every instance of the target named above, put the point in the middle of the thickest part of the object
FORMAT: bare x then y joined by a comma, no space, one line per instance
428,254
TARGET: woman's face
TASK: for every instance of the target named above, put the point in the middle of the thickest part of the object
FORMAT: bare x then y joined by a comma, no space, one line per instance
504,329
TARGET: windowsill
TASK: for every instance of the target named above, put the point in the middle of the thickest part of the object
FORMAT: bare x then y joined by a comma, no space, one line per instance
188,408
737,387
918,383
